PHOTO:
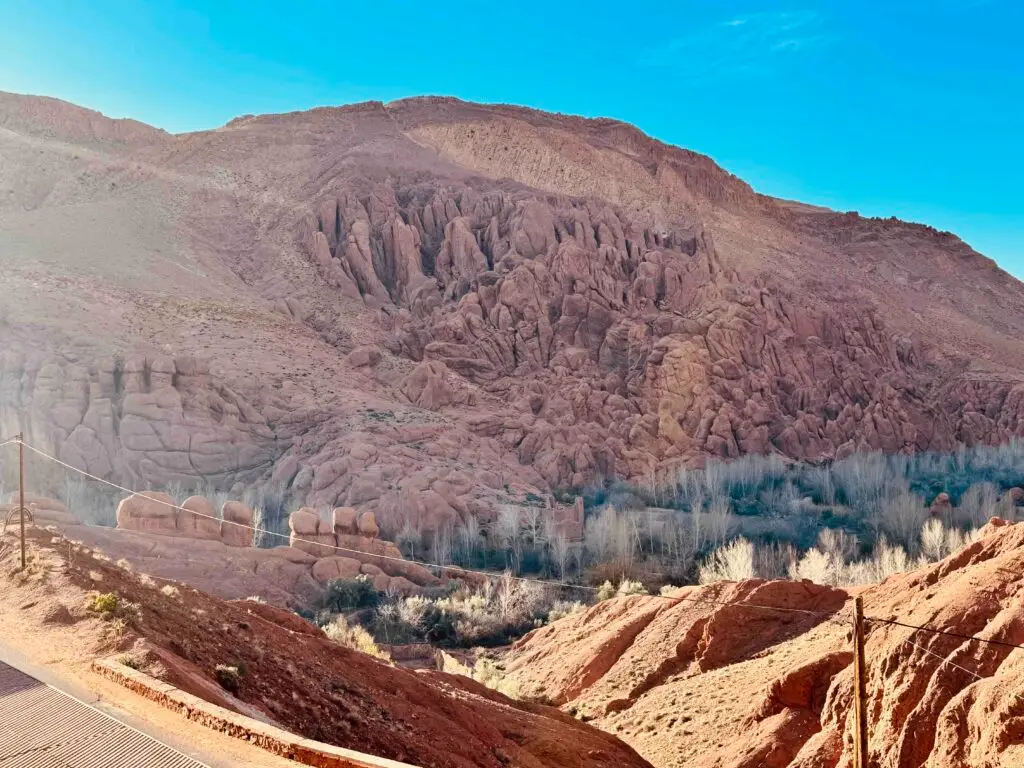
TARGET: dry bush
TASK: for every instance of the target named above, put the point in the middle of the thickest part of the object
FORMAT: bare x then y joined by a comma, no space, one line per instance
491,614
355,637
816,566
731,562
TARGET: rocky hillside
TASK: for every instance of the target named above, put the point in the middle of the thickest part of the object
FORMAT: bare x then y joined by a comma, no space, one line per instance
690,682
287,672
429,307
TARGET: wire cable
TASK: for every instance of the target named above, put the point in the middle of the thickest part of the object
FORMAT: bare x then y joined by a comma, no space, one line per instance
943,632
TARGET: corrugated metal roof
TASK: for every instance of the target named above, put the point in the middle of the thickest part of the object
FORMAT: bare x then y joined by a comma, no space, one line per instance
40,727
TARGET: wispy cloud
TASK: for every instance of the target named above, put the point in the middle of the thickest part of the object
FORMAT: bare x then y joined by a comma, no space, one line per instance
749,44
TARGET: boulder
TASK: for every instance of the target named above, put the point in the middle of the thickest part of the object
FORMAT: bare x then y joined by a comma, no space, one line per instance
368,525
364,357
941,507
346,520
198,519
311,534
241,534
328,569
303,522
402,586
149,511
428,386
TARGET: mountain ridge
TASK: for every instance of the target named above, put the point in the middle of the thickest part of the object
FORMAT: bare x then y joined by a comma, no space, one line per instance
541,301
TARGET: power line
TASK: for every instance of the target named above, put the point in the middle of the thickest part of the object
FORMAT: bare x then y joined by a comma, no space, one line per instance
943,659
944,632
451,569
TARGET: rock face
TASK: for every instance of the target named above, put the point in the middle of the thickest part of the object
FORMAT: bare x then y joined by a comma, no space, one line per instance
341,553
197,519
236,530
399,297
150,511
688,682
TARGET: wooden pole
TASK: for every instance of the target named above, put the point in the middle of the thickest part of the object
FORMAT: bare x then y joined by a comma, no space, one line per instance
860,712
21,494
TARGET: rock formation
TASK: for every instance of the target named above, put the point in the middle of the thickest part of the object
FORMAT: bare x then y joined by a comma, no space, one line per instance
690,682
365,306
319,550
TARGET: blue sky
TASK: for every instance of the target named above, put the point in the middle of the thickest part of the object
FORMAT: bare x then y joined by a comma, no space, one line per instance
913,109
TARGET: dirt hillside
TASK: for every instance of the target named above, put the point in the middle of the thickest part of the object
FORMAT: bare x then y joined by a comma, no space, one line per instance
428,308
690,682
287,671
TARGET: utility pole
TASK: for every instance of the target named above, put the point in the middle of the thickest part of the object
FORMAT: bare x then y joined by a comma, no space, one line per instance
20,491
860,712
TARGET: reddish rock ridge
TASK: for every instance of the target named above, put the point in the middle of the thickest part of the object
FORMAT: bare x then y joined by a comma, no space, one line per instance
691,683
423,308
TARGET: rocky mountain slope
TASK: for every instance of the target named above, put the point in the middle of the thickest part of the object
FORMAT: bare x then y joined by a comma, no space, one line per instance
289,673
691,682
428,307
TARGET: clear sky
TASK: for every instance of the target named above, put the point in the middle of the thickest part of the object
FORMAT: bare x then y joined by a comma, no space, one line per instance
913,108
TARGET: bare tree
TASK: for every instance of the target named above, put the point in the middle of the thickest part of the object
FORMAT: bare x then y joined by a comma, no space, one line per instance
507,532
719,518
442,544
560,552
903,514
531,521
469,538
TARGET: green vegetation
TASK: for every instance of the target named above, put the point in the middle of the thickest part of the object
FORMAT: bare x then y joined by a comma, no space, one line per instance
349,594
105,603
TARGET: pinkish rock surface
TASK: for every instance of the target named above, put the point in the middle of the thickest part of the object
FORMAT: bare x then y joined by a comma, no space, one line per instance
524,299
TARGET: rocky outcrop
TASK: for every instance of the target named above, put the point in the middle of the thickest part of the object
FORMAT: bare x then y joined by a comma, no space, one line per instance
149,511
198,519
623,347
42,510
672,674
236,530
346,546
141,421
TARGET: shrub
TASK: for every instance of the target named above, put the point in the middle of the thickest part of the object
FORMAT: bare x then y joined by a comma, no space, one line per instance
731,562
492,614
564,608
606,591
816,566
627,587
105,603
350,594
492,674
229,677
355,637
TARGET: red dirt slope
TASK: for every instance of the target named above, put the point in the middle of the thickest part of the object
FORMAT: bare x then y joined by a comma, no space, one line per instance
290,673
695,684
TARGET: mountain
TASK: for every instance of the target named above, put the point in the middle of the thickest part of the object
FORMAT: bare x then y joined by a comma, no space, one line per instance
429,307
